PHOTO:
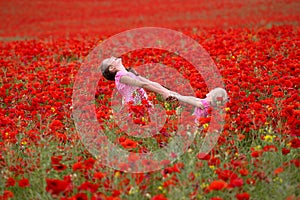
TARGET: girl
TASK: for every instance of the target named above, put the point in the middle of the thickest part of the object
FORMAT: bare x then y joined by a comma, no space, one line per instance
214,99
130,85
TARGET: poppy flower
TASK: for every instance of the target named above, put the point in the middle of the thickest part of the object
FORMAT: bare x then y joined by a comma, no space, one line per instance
236,182
217,185
56,186
214,161
242,196
159,197
78,166
80,196
244,172
24,182
278,170
295,143
7,194
256,154
89,163
99,175
216,198
56,125
10,182
129,144
203,156
285,151
56,165
225,174
270,148
88,187
59,167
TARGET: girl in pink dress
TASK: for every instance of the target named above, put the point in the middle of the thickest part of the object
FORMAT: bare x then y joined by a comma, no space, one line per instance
131,86
214,99
128,83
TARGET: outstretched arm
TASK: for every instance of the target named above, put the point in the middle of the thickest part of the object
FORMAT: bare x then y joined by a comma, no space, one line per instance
147,84
151,82
188,99
156,87
145,79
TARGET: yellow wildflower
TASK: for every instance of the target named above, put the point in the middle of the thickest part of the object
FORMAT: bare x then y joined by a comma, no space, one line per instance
205,125
117,174
258,147
269,138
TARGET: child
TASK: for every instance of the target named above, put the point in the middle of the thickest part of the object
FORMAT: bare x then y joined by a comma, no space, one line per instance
215,98
130,85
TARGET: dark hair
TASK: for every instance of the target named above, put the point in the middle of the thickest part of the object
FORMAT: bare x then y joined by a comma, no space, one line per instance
111,75
108,74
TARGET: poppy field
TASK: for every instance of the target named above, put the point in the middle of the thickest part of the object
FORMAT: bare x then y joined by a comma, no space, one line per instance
254,45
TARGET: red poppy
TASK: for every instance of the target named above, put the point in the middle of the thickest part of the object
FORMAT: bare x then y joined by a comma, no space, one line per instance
225,174
242,196
270,148
89,163
7,194
256,154
88,187
295,143
216,198
285,151
278,94
56,125
59,167
129,144
56,186
159,197
214,161
24,182
80,196
244,172
168,183
278,170
10,182
217,185
236,182
78,166
296,162
99,175
203,156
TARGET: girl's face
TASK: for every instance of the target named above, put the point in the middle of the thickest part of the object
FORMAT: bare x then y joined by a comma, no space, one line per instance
115,63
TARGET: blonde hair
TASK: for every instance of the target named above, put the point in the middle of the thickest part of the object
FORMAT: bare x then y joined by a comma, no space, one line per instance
218,96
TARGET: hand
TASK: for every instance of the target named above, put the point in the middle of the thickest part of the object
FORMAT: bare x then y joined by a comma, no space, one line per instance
166,94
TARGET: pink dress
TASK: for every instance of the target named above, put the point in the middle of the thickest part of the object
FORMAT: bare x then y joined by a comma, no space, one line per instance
198,112
130,93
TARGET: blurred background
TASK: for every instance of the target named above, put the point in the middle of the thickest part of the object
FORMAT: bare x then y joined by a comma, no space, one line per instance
38,18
